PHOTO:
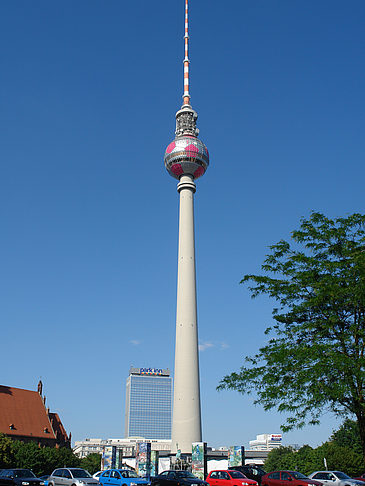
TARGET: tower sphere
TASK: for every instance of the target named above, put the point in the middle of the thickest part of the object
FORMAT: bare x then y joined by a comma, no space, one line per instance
186,155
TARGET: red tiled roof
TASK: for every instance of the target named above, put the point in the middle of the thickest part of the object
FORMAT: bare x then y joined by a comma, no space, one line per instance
25,410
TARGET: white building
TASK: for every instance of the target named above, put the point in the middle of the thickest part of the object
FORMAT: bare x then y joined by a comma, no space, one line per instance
85,447
265,442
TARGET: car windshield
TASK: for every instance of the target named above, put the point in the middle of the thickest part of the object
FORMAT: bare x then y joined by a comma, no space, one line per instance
298,475
184,474
237,474
23,473
80,473
341,475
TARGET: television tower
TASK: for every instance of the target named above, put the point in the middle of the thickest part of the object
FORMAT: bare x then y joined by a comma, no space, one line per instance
186,159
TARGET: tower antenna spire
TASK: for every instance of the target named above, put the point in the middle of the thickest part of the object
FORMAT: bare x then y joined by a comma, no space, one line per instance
186,95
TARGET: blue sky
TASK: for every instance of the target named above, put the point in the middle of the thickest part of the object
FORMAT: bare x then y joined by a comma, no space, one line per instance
89,90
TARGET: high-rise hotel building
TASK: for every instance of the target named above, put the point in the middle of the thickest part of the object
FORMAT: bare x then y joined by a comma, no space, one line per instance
148,410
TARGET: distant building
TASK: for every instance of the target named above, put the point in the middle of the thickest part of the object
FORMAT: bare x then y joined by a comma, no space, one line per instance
24,417
85,447
266,442
148,410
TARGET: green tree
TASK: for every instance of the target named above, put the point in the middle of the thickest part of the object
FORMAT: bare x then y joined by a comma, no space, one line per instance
6,451
314,360
279,458
348,435
92,462
42,460
339,458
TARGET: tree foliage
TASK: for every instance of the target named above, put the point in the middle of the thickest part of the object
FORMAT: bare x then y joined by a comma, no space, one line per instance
348,435
92,462
6,451
307,460
41,460
314,358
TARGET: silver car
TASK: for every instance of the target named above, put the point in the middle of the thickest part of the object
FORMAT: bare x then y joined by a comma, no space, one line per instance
71,476
334,478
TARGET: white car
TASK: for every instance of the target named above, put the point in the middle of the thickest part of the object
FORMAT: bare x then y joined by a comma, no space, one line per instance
97,474
334,478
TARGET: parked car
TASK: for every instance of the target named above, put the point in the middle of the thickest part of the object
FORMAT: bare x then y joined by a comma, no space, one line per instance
71,476
284,478
19,477
251,471
335,478
97,474
230,477
121,477
360,478
177,478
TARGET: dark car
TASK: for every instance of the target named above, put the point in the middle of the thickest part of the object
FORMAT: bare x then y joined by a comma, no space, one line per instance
250,471
286,478
19,477
177,478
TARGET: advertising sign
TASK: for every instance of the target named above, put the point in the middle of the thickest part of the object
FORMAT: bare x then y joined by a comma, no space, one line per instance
276,437
236,456
143,459
154,463
198,459
108,457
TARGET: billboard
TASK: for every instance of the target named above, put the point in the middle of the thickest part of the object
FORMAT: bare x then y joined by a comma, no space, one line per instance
198,459
236,456
143,459
108,457
154,463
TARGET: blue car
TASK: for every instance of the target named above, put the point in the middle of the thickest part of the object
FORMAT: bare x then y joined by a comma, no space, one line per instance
121,477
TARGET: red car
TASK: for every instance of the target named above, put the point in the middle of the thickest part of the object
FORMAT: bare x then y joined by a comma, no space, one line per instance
225,477
361,478
287,478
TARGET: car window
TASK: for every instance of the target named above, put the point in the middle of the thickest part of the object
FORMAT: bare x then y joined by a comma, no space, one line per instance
67,474
23,473
274,475
80,473
105,474
237,475
285,476
57,472
164,474
298,475
115,474
172,475
185,474
341,475
213,474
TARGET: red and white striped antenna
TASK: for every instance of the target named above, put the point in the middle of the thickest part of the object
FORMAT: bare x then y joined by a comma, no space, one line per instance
186,95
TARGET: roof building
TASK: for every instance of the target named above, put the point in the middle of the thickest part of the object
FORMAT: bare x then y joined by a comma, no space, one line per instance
24,417
266,442
148,407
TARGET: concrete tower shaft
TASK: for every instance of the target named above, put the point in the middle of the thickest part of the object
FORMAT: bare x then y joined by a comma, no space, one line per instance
186,424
